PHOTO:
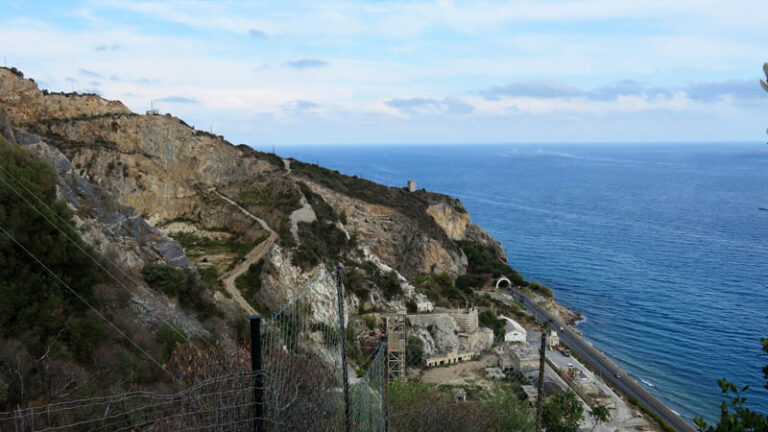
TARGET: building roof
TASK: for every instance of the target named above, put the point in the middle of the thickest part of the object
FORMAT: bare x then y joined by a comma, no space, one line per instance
512,325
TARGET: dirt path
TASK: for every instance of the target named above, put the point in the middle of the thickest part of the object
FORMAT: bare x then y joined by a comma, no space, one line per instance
252,257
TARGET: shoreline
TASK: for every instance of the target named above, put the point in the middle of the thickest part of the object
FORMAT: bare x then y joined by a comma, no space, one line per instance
547,310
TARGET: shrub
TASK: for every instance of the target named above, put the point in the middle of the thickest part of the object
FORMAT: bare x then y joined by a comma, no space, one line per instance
489,319
36,308
182,284
541,289
482,260
414,351
167,338
370,321
249,283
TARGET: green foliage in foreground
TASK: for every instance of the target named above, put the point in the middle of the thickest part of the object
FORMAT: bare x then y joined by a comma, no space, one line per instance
35,307
562,412
423,408
734,414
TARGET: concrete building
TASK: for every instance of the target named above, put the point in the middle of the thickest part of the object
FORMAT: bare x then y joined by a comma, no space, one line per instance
553,339
513,331
411,186
519,358
449,358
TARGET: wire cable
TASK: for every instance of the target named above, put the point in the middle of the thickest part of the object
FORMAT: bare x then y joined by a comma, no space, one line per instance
86,302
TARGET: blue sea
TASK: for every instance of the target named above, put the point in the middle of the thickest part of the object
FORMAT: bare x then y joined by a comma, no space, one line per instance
662,248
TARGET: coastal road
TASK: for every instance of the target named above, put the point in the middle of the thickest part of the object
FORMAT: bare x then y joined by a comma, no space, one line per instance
603,367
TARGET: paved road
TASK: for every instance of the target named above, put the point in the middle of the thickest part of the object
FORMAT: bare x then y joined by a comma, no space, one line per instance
608,370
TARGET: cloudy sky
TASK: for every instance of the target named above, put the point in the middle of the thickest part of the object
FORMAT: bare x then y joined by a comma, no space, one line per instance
297,72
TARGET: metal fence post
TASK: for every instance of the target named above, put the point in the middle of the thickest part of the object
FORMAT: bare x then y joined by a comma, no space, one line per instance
344,374
257,368
385,386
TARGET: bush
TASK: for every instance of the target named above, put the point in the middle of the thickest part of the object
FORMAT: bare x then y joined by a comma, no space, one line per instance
370,321
541,289
182,284
36,308
249,283
414,351
489,319
167,338
3,391
356,283
482,260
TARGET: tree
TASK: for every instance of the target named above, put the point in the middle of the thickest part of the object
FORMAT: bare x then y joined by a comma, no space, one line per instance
734,415
562,412
414,351
764,82
599,414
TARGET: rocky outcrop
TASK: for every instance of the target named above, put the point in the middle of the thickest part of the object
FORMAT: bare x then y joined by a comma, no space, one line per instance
452,219
393,237
26,103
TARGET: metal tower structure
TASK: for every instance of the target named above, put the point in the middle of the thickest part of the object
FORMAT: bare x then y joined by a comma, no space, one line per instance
397,335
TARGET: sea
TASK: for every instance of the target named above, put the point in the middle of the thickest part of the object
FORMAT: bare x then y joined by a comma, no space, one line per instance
663,248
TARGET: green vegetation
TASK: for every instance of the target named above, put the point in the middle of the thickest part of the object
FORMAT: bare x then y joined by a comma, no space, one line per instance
249,283
662,424
181,284
36,308
411,204
414,351
273,194
355,282
562,412
734,414
541,289
439,288
167,337
489,319
361,279
482,260
320,242
423,408
599,414
195,246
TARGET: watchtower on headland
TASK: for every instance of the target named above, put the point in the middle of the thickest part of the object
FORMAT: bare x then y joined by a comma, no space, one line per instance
411,186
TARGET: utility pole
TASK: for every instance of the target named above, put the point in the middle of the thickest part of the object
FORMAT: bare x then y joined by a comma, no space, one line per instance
540,395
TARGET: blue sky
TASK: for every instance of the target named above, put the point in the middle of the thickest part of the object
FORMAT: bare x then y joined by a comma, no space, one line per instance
303,72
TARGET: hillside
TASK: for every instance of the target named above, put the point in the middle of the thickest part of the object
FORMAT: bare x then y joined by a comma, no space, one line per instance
192,233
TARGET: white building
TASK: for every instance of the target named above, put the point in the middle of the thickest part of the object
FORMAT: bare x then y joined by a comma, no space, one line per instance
513,332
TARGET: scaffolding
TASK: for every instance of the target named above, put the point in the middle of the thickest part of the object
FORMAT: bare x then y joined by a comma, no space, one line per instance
397,335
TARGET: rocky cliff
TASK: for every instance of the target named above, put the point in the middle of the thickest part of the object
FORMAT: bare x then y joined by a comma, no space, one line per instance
140,181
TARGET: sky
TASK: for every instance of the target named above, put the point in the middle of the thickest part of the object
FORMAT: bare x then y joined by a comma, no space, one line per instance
270,73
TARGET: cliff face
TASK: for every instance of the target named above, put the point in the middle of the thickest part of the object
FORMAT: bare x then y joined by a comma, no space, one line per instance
161,177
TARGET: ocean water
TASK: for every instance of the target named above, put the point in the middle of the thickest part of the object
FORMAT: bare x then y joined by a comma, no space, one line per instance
663,248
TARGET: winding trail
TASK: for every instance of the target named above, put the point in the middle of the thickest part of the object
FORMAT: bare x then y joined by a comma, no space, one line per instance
252,257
